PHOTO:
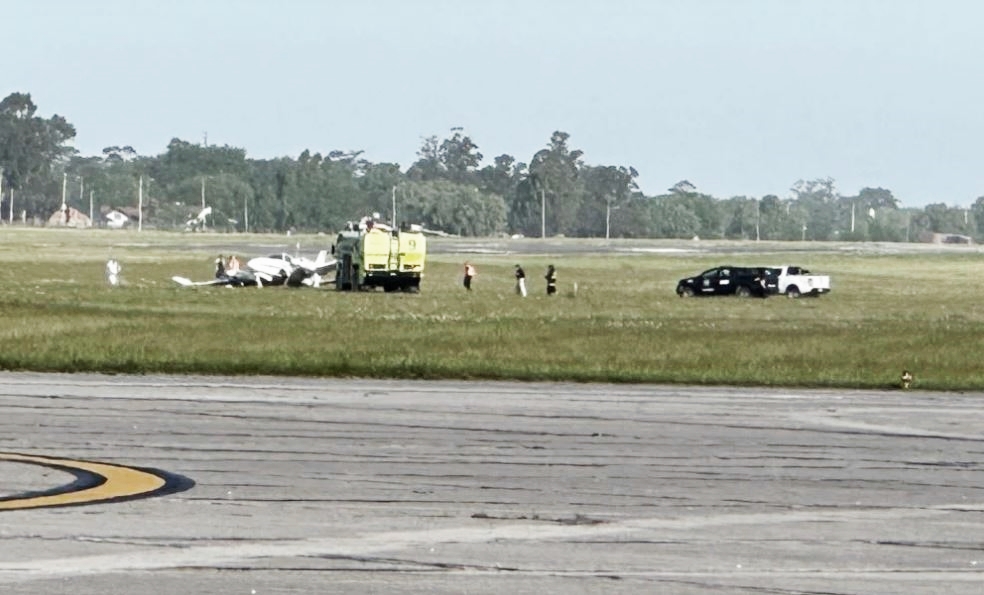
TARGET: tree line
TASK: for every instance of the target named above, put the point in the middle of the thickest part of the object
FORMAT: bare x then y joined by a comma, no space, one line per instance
450,187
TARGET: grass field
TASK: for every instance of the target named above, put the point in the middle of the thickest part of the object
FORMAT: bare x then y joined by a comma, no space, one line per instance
917,309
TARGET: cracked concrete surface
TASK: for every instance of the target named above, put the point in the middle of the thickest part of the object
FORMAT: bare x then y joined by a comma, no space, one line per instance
360,486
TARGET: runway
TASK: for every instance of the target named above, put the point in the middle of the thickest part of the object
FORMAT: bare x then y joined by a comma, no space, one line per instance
361,486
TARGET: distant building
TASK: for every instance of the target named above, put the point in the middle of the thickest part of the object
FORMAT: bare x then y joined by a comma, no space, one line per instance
116,220
69,217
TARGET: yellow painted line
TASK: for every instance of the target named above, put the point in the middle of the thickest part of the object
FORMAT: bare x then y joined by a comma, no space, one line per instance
120,482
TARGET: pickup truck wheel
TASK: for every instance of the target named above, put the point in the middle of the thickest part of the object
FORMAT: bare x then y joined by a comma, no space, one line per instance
686,292
792,292
743,292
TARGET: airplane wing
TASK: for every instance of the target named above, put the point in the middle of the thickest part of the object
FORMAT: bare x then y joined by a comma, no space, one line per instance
323,264
186,282
326,268
242,278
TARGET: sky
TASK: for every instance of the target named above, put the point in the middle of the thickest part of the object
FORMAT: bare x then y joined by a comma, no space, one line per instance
740,97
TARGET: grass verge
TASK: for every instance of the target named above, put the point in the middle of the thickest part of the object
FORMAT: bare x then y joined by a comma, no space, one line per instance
887,312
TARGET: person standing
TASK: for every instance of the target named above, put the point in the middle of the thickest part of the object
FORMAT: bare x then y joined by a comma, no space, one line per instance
113,270
469,273
551,278
520,281
220,269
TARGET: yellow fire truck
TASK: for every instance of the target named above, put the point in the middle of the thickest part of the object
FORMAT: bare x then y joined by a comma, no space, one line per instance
379,256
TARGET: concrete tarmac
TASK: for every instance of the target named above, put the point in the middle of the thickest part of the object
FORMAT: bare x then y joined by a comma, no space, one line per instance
363,486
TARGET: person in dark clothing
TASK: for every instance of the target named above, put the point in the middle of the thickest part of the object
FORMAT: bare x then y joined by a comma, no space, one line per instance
469,273
220,270
551,278
520,281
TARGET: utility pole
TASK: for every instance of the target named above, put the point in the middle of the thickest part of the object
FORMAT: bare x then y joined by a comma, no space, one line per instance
394,208
90,205
543,213
11,206
140,205
758,219
203,192
245,215
64,188
608,219
852,217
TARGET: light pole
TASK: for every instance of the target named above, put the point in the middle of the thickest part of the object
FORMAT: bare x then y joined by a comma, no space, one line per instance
608,217
140,204
758,218
543,213
393,222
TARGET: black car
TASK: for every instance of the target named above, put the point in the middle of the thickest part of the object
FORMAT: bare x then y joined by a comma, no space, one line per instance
728,280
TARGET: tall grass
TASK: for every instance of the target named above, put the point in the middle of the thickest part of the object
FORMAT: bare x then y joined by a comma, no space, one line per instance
887,312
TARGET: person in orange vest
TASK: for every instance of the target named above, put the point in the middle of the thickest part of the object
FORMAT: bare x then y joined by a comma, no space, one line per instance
469,273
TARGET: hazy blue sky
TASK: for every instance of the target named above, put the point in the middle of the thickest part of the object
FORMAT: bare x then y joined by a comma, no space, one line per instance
741,97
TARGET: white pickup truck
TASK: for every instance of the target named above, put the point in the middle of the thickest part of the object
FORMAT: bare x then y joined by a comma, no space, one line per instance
794,281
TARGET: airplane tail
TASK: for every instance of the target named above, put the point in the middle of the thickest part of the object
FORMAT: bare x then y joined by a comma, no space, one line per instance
323,264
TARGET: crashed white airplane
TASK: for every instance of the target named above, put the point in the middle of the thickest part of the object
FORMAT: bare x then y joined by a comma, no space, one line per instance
277,269
293,271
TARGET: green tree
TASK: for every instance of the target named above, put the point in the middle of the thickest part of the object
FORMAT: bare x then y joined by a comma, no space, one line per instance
454,208
771,214
554,175
940,218
502,177
227,194
30,147
525,207
741,218
820,207
977,212
606,189
183,160
460,158
635,218
380,184
428,165
889,225
674,217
